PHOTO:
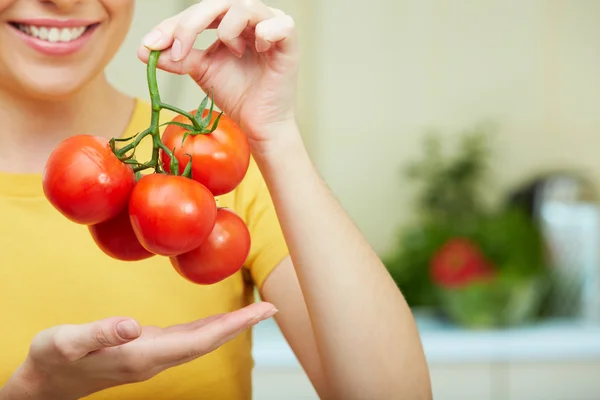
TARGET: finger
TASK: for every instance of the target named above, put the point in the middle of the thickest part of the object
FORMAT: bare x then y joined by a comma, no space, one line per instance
237,19
279,30
182,346
230,29
193,325
161,36
181,67
197,60
192,22
230,325
72,342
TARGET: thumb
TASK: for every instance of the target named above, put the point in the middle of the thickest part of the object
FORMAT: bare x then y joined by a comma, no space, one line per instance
76,341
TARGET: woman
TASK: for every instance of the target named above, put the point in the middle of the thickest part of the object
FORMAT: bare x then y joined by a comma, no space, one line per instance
77,323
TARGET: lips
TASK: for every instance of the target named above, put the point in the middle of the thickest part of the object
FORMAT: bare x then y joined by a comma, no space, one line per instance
54,37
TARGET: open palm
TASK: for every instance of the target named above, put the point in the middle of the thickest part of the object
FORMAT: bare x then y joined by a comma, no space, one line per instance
251,68
72,361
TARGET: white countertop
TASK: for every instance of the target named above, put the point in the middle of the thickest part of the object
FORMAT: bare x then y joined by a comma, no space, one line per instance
559,340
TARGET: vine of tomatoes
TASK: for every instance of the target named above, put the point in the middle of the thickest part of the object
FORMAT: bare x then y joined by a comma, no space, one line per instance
168,212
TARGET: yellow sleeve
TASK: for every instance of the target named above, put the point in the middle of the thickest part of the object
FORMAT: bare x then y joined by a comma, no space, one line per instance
268,247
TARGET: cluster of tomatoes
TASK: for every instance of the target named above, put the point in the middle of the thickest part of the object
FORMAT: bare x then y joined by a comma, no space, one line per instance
166,213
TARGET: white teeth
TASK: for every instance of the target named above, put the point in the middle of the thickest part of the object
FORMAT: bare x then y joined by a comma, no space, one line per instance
53,34
65,35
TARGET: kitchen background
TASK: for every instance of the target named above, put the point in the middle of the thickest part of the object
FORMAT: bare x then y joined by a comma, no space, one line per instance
462,138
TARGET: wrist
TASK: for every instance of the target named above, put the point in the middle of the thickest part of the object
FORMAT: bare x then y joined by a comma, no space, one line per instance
27,384
281,141
20,387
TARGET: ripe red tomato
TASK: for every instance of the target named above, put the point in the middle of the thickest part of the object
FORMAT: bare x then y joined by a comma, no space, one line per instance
116,238
220,159
170,214
220,256
85,181
458,263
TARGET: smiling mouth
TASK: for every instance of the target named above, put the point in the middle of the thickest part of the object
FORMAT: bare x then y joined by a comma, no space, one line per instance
52,34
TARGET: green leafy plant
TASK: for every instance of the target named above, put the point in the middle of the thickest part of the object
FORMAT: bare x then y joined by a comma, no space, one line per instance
472,261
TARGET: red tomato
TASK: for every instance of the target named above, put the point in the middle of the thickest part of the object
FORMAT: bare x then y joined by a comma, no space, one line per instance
221,255
85,181
117,239
170,214
219,159
458,263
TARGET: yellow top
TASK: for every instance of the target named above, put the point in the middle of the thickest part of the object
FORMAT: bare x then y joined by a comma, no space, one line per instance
51,273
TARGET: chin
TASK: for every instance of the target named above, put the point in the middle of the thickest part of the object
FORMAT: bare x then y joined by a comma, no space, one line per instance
52,85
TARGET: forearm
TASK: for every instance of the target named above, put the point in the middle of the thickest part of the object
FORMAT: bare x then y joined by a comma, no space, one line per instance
367,339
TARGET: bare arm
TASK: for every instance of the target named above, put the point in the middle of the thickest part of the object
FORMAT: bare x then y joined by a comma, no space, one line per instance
364,334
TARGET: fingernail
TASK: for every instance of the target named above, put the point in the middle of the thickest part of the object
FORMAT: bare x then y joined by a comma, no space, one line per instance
176,50
237,53
238,48
152,38
261,45
128,329
269,314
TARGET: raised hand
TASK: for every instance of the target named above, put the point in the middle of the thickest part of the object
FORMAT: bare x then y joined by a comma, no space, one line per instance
73,361
252,66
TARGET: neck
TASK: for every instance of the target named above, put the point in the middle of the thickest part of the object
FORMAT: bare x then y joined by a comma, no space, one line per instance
31,129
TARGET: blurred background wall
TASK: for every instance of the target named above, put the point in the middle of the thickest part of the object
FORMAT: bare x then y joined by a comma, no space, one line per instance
376,76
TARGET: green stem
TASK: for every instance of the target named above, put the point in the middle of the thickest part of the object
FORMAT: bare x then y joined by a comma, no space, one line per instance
121,152
141,167
153,130
187,172
186,114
